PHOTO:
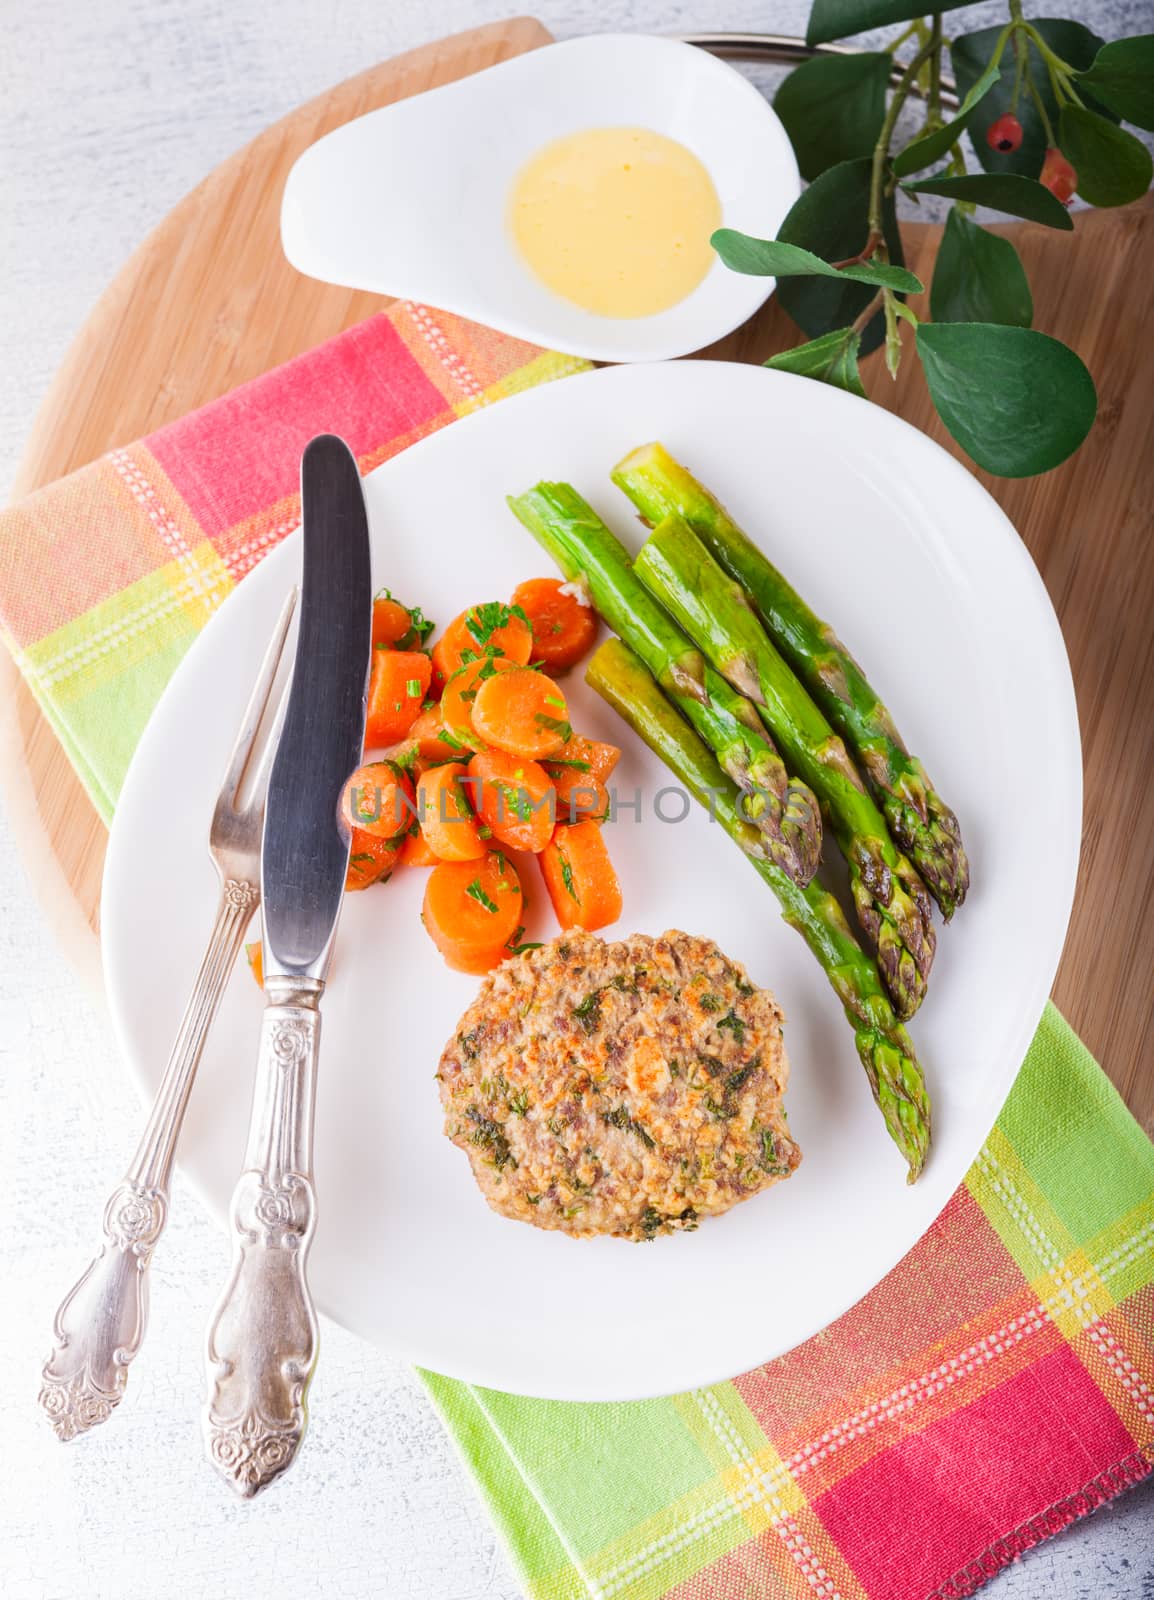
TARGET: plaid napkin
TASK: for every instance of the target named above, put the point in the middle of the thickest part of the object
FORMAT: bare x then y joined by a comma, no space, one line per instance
994,1387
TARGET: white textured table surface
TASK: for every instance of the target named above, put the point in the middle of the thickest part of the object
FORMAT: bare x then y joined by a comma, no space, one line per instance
110,111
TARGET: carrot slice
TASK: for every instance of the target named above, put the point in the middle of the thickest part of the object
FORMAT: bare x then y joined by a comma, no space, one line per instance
415,852
472,909
513,798
398,683
433,741
522,712
579,795
391,621
378,799
580,878
491,628
590,756
461,693
399,626
371,859
563,629
450,829
254,953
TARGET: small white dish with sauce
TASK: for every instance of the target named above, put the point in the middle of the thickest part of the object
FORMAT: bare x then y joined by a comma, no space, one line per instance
426,199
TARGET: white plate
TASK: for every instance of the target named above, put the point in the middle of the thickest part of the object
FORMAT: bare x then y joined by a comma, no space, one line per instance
929,584
397,202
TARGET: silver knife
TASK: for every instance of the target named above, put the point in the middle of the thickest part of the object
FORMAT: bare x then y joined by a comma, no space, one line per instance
262,1338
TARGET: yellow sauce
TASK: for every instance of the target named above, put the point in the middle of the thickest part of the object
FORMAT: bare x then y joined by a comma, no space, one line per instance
616,220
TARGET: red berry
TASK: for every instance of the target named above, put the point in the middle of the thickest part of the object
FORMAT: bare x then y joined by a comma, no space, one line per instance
1005,134
1058,176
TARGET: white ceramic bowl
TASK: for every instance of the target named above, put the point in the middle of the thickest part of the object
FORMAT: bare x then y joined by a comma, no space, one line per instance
411,200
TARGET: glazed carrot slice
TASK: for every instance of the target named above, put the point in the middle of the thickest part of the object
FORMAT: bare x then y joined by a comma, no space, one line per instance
523,712
513,798
371,859
378,799
579,795
471,910
580,878
492,629
415,852
450,829
254,954
399,626
563,629
398,683
391,621
460,696
590,756
429,742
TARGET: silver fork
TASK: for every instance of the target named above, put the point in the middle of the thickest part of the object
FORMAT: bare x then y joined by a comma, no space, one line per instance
101,1322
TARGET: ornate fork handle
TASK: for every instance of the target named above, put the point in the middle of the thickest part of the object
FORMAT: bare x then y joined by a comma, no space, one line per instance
100,1324
262,1340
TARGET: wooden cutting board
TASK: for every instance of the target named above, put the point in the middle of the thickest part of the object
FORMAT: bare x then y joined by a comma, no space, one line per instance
208,301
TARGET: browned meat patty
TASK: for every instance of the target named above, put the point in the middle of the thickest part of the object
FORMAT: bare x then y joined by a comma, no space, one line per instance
628,1088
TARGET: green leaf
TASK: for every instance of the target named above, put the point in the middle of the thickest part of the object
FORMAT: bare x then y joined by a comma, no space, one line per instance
1122,76
831,359
1001,191
932,146
1016,400
970,55
1113,166
831,219
978,277
833,107
837,19
770,258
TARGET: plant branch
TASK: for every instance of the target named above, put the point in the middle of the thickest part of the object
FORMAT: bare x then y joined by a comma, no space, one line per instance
863,319
934,106
1040,107
875,241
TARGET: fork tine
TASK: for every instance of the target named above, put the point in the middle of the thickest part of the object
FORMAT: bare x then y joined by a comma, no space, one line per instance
258,700
259,782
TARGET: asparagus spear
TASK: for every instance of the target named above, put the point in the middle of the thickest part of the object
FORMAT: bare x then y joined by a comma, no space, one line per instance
785,811
919,819
892,904
886,1051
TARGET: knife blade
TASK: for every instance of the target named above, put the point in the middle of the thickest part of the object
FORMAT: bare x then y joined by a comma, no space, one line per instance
262,1339
305,851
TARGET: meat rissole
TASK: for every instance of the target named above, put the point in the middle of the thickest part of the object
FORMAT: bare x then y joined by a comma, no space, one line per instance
628,1088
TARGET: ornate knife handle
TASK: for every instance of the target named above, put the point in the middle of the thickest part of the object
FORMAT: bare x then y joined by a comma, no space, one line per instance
101,1322
262,1340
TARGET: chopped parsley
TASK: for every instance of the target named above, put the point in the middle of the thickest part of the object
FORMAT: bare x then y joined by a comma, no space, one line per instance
490,1136
483,621
769,1160
651,1223
712,1064
555,724
709,1002
518,798
588,1013
737,1081
619,1118
733,1024
468,1043
475,892
567,877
